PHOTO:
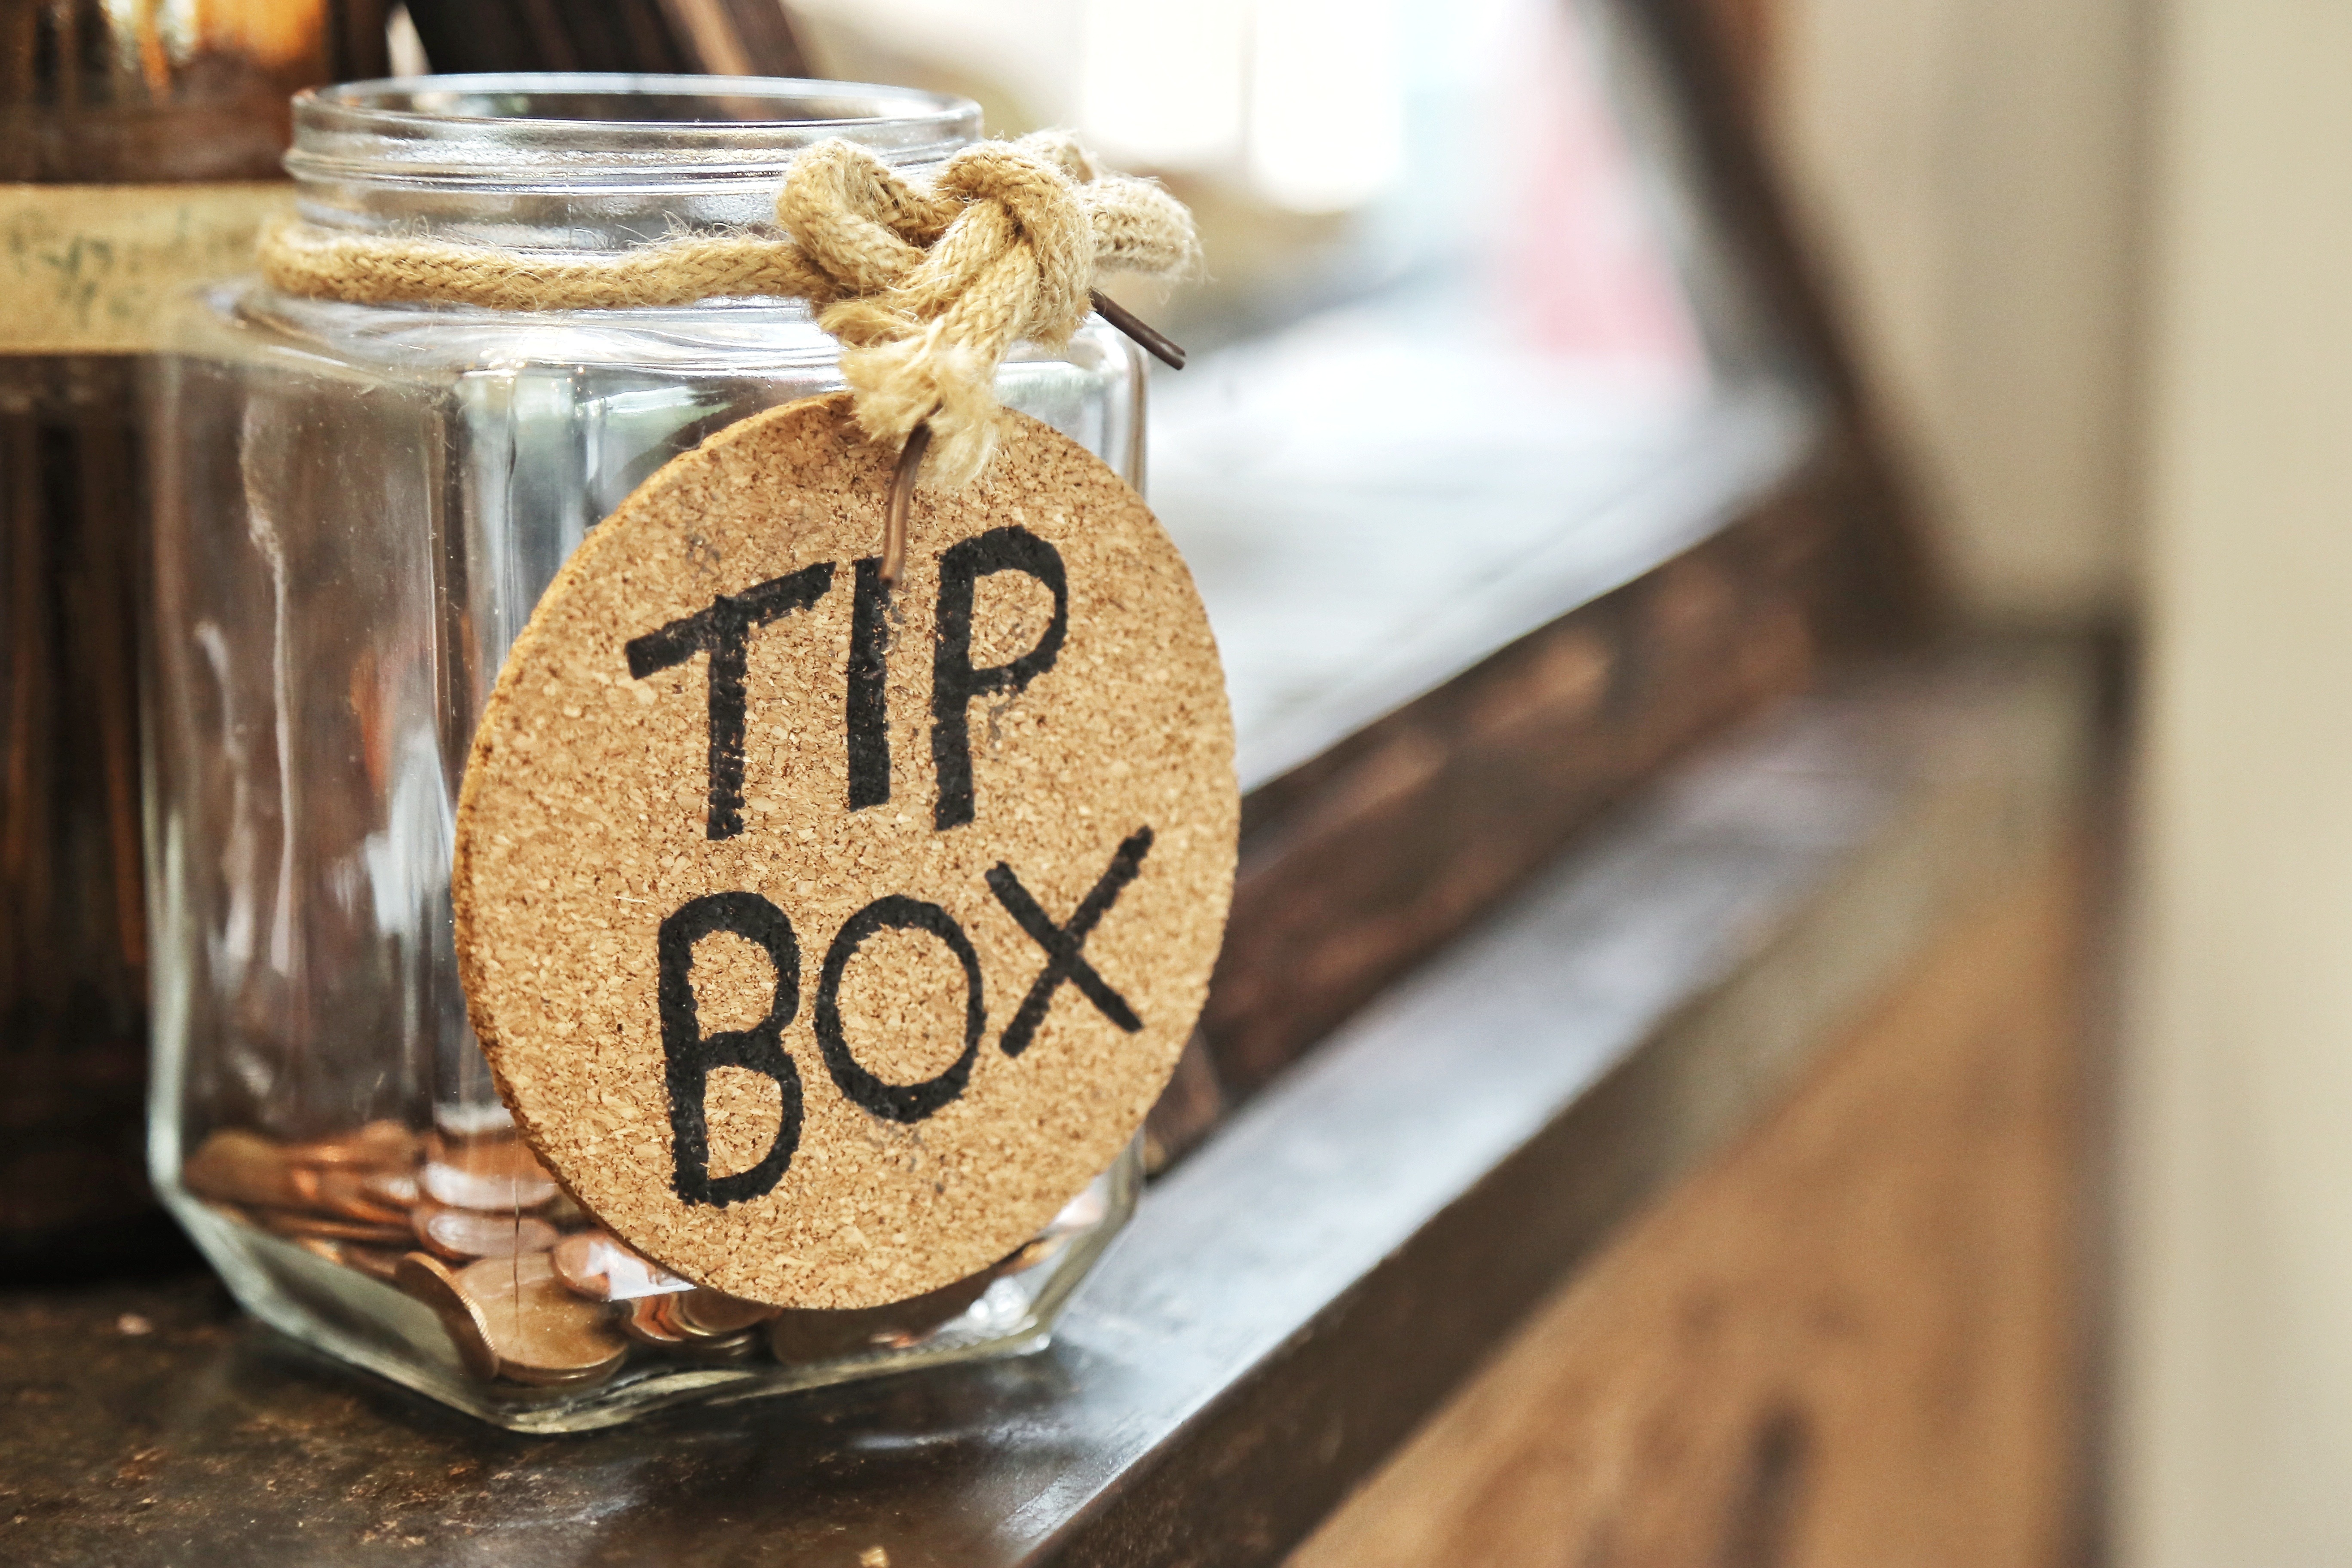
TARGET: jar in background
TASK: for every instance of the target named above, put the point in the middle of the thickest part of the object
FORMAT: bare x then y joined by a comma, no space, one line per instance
95,96
358,509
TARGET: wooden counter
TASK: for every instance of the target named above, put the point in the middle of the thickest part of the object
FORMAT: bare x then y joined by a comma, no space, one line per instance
1710,1203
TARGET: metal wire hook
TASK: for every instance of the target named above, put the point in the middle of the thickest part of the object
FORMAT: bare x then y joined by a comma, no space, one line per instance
902,496
1153,340
918,439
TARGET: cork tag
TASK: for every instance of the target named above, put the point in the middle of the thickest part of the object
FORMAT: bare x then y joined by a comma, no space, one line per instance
826,937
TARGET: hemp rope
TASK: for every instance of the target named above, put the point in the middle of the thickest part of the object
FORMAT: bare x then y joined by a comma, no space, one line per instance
927,288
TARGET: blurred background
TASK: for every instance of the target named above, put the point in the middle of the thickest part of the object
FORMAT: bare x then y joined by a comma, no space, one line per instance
2094,261
2088,266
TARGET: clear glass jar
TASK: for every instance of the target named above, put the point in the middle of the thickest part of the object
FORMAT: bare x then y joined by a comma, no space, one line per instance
358,508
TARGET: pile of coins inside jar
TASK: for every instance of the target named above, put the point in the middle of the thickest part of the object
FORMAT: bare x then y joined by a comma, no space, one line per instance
530,1290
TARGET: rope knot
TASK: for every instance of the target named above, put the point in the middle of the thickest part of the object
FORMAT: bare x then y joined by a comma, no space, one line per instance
927,288
931,288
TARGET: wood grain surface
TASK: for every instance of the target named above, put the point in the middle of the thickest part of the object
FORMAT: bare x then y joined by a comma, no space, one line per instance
1849,1343
1361,862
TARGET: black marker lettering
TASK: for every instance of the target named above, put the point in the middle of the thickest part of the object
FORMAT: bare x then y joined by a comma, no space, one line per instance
1064,946
691,1056
724,632
955,682
897,1101
869,689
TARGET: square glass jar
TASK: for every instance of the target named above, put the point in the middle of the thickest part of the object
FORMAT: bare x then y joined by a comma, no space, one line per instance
358,508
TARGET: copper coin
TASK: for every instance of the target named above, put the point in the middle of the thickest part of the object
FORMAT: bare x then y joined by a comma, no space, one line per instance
237,1167
654,1321
807,1336
301,1223
348,1192
643,1320
724,1349
375,1262
462,1235
489,1173
707,1314
431,1281
375,1145
580,1378
541,1332
602,1269
302,1180
580,1261
319,1246
395,1189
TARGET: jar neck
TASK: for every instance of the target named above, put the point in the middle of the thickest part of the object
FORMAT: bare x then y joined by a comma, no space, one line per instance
588,164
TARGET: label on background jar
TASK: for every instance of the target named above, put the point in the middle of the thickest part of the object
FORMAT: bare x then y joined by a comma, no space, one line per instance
97,269
825,939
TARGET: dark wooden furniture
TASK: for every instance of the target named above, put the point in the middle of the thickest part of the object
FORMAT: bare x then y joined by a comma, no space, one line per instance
1705,1204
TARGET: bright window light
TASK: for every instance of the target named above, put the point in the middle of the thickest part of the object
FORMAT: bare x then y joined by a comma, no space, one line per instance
1160,84
1327,110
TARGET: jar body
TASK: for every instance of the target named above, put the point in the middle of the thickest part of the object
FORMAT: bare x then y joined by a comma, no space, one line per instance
358,509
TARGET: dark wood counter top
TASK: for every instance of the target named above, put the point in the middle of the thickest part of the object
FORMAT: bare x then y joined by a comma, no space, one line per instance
1291,1301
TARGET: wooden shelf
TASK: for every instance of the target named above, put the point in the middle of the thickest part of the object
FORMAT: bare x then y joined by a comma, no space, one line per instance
1603,1090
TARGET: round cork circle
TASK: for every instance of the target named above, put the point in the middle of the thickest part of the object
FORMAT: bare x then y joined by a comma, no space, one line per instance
826,939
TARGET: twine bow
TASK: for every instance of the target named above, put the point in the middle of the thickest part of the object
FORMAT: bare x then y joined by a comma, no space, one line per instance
927,288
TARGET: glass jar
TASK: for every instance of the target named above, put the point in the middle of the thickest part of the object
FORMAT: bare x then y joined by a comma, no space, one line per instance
358,509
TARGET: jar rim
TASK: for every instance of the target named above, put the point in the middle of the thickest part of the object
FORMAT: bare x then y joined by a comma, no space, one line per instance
573,127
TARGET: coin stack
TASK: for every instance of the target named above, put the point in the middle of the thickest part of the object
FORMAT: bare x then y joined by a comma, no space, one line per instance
528,1288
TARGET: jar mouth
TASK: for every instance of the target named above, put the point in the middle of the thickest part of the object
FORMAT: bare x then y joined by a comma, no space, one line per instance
588,162
550,130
